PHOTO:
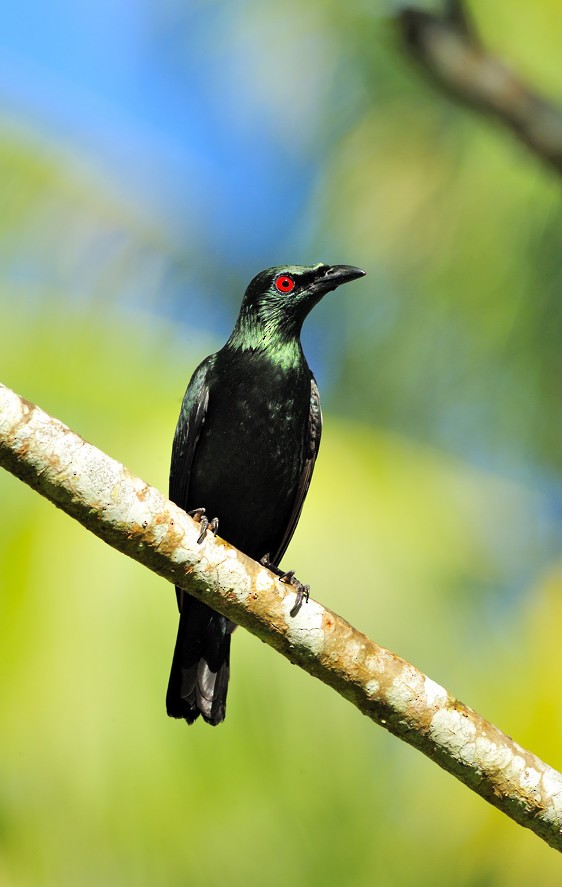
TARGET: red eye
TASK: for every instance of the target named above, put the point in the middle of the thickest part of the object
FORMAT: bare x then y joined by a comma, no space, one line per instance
284,283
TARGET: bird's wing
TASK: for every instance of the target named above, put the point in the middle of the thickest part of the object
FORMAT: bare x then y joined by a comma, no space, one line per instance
188,431
312,445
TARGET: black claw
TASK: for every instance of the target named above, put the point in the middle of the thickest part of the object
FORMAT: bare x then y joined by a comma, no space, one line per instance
303,591
198,514
204,528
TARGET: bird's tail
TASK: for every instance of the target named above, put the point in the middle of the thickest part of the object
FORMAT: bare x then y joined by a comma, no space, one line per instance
201,665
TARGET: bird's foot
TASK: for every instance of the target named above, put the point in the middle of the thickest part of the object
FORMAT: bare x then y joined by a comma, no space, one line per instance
198,514
303,591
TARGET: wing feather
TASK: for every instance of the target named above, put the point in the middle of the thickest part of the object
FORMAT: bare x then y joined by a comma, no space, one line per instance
188,432
312,445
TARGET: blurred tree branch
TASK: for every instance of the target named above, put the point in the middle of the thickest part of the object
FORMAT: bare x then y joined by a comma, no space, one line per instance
140,522
448,48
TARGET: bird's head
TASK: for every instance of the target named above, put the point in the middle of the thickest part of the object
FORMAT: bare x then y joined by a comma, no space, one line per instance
277,300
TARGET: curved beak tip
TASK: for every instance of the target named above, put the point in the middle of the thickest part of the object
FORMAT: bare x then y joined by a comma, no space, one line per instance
353,272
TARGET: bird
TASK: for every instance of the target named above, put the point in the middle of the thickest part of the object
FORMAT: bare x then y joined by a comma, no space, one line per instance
244,451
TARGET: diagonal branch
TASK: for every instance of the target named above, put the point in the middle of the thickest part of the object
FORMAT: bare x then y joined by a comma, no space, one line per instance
140,522
448,48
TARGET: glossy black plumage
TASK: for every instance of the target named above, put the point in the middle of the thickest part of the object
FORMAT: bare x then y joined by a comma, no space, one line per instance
244,449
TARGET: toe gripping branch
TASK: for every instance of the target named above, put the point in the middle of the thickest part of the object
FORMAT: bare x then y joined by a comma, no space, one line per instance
302,591
198,514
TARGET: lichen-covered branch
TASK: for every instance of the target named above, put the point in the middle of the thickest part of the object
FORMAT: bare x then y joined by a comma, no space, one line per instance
139,521
448,48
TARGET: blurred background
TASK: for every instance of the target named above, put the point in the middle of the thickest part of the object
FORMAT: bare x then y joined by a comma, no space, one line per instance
153,158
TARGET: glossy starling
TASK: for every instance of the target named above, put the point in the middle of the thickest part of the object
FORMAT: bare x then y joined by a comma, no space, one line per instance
244,450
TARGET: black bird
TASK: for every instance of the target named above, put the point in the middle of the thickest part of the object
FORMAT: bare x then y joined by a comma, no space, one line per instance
244,449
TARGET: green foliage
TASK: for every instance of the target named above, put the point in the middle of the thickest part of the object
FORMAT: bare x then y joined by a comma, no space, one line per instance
456,337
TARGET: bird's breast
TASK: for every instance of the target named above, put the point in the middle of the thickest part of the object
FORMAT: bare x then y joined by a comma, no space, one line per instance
251,452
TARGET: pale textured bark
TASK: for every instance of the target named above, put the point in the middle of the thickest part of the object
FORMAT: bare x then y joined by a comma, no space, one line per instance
448,47
139,521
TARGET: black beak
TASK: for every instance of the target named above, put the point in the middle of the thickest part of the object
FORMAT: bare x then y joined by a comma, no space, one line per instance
332,276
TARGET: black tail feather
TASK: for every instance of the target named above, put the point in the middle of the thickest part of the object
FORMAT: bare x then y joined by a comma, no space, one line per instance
201,665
